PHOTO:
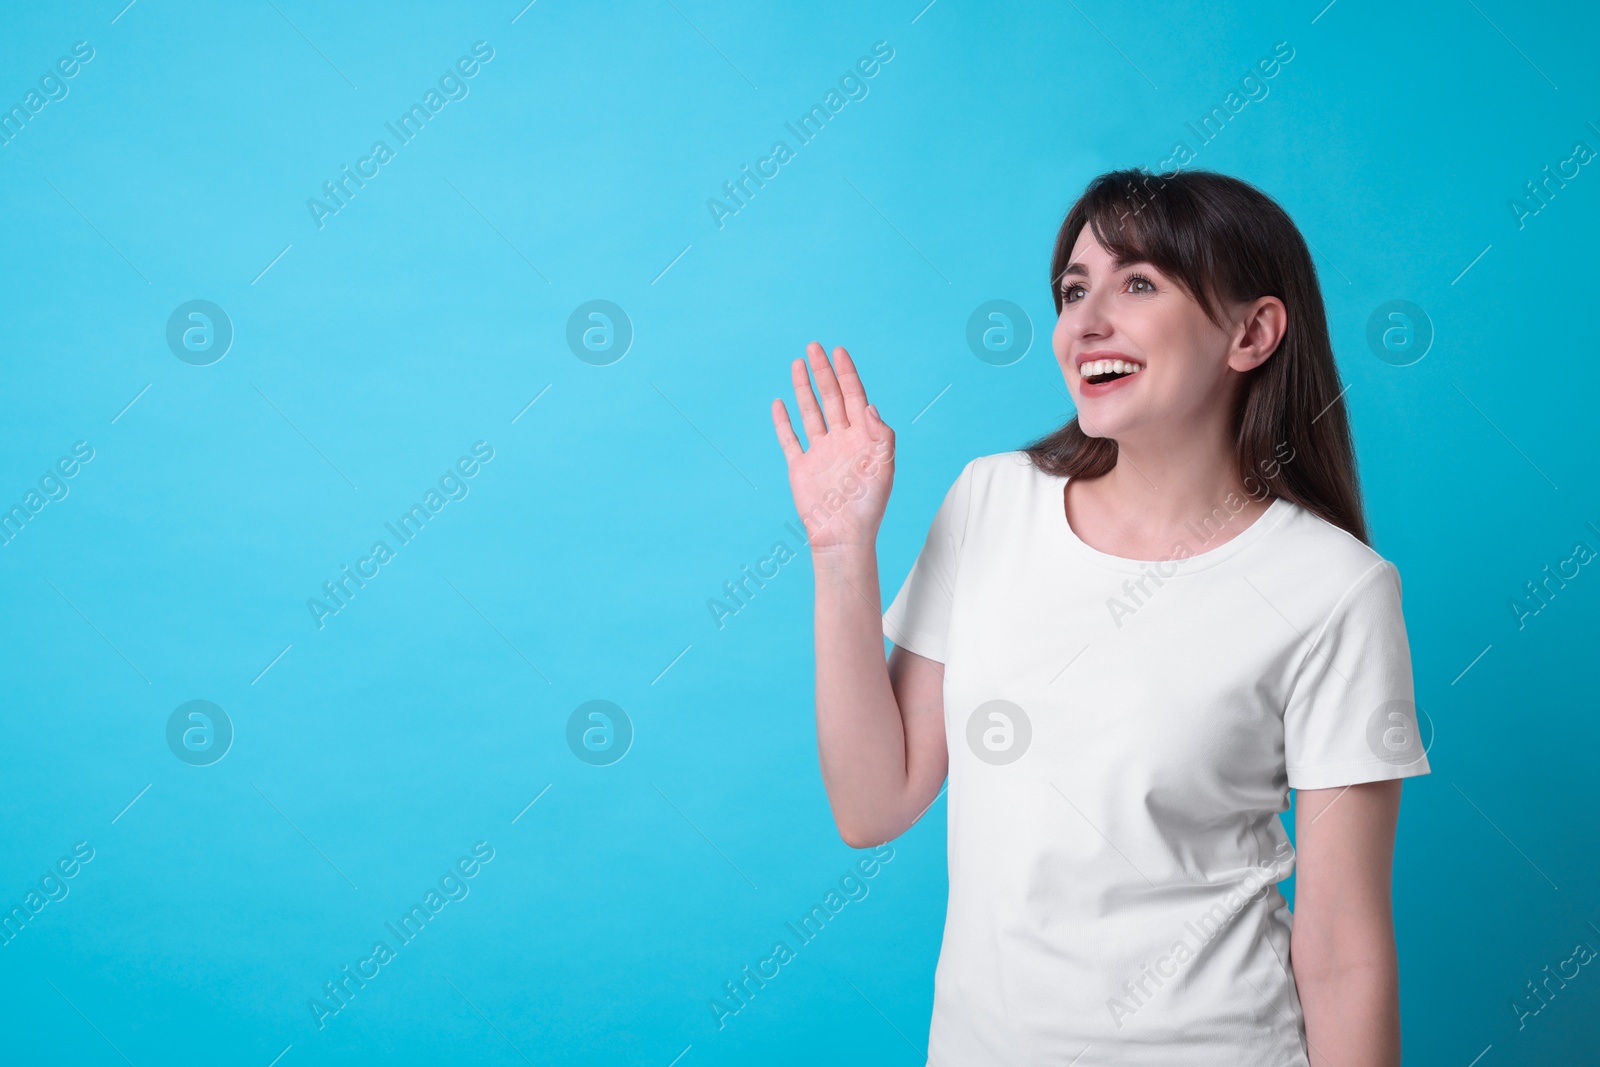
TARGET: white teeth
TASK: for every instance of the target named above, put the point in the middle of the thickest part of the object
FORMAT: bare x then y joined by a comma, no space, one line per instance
1108,366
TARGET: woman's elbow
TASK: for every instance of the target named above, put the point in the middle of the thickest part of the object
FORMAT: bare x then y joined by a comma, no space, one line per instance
857,836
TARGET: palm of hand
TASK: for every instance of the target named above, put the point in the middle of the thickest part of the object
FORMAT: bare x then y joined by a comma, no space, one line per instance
840,483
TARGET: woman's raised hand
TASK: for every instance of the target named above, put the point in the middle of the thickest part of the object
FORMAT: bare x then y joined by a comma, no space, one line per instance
841,482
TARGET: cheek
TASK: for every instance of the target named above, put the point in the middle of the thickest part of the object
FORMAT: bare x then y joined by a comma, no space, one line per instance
1059,339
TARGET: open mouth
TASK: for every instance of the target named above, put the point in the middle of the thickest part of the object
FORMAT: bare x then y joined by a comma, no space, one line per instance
1096,371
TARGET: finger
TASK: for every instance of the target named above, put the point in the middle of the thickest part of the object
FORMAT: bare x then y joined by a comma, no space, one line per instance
786,435
881,450
855,394
806,400
828,386
880,429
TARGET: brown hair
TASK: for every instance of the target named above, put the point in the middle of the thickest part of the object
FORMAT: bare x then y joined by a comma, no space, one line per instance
1220,237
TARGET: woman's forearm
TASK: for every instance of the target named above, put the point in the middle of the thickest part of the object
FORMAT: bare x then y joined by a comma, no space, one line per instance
1351,1007
861,740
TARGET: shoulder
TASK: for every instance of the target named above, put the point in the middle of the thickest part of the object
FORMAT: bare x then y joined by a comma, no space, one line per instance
994,484
1329,563
1000,491
988,488
1000,470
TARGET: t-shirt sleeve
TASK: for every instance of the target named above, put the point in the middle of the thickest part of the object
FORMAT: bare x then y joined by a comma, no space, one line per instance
919,617
1351,715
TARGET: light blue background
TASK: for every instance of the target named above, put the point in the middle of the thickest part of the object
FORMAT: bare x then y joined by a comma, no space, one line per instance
379,348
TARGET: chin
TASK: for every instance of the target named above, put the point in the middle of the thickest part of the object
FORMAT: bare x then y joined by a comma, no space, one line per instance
1097,429
1098,426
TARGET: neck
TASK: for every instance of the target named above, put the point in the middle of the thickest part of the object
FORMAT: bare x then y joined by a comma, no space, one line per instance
1170,484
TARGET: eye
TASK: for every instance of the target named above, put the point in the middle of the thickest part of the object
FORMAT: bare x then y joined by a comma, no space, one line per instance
1133,282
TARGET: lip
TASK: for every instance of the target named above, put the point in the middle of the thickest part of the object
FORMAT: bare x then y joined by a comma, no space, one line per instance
1102,353
1088,390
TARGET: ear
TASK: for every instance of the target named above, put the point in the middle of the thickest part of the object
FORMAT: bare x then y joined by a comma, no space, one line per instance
1258,329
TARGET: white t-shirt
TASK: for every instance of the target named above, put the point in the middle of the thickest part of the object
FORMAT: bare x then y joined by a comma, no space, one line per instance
1123,735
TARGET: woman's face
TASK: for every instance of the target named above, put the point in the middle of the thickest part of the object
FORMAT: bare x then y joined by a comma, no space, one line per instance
1187,366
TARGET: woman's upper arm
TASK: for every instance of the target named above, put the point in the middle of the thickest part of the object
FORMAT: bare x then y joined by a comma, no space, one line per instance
1344,845
918,684
1342,944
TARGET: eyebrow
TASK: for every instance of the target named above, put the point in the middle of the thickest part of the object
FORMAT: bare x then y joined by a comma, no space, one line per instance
1080,269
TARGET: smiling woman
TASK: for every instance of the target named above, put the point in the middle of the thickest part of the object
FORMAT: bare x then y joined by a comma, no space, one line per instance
1115,783
1190,287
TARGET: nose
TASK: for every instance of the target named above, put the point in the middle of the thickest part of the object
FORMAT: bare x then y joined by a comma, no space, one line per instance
1087,318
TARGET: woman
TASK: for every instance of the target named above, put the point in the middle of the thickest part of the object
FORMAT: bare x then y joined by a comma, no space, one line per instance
1125,644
